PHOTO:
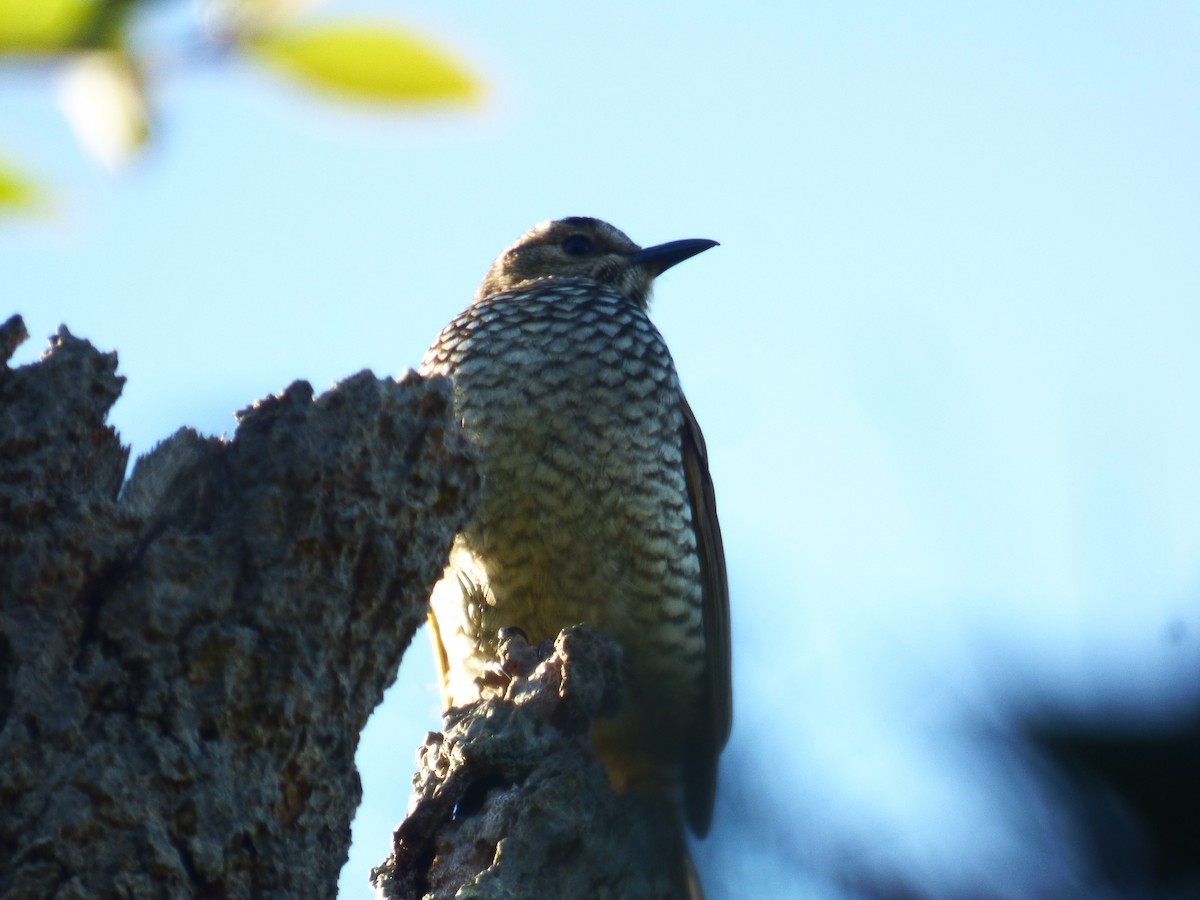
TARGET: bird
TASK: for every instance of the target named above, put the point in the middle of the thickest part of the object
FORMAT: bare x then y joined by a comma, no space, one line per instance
597,502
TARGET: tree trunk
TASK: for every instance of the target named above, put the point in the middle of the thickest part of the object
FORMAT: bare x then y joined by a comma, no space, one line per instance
186,663
187,659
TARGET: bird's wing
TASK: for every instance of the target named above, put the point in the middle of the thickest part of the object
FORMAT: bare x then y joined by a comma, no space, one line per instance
701,774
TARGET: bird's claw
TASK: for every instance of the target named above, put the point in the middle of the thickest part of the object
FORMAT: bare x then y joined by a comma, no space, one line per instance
515,658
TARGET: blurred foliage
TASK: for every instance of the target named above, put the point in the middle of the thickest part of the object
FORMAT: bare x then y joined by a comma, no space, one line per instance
103,96
366,62
47,26
106,79
1133,792
15,191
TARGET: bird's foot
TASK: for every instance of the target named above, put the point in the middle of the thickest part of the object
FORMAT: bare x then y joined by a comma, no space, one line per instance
515,658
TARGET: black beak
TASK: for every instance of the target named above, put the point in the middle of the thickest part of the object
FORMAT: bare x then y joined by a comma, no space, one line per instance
658,259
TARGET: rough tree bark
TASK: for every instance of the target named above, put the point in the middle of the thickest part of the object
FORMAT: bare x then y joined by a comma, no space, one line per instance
510,803
187,659
185,668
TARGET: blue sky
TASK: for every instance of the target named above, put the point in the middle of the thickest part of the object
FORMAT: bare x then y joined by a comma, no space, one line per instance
945,358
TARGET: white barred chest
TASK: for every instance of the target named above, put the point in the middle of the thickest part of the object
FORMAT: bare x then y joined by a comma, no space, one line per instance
571,396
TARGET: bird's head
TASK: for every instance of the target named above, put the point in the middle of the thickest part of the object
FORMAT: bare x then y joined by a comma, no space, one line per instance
586,248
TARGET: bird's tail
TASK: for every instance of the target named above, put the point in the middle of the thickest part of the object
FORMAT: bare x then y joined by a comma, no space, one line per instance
694,890
670,845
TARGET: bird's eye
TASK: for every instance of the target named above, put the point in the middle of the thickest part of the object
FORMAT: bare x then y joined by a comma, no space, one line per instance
577,245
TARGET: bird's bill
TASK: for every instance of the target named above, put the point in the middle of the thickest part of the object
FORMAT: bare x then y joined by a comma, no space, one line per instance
661,257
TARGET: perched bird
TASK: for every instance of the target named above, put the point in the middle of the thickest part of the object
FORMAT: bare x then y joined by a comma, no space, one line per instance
597,503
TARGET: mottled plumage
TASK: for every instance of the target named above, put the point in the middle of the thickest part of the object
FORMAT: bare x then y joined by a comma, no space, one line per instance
597,503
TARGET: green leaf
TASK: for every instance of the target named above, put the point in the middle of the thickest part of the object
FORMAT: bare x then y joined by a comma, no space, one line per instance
16,193
365,61
42,26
